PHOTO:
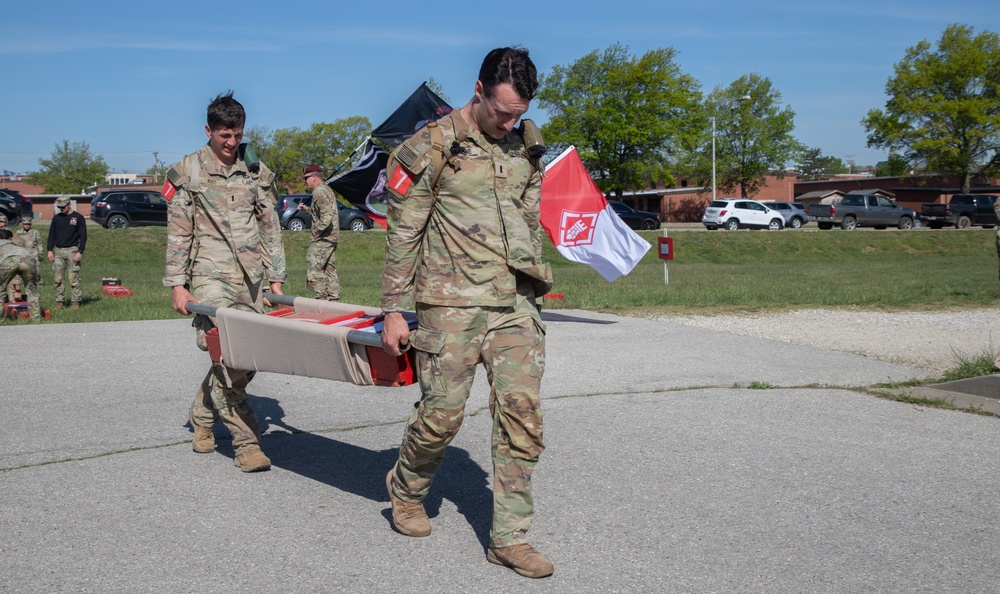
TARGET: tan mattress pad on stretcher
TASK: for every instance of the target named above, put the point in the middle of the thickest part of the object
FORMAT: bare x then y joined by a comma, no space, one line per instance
255,342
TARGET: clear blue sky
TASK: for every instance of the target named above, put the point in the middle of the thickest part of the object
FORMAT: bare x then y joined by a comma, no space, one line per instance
130,78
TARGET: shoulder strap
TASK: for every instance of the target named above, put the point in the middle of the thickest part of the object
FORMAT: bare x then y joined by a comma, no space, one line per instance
438,156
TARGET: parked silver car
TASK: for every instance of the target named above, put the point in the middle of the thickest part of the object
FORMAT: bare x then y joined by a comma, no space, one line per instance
794,213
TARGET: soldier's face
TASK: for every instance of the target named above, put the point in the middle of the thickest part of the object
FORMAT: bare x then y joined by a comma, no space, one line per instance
225,143
497,115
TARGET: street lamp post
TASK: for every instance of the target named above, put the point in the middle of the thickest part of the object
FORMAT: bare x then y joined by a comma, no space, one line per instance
713,158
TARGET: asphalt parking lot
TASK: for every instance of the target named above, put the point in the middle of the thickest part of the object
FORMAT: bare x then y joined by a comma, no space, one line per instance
665,471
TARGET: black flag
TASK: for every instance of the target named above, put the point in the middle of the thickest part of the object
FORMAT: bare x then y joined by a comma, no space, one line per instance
421,107
364,185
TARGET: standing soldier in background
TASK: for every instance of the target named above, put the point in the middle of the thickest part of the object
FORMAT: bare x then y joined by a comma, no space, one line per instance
996,209
67,240
464,242
321,259
30,240
17,261
7,290
223,242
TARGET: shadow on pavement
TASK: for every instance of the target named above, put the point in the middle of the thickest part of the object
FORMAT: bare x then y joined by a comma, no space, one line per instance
361,471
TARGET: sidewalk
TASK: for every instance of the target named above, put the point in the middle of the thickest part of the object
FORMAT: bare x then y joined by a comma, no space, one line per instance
664,472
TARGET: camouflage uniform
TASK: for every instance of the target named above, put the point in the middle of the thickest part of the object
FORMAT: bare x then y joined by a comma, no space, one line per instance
471,258
30,240
321,258
996,208
17,261
223,242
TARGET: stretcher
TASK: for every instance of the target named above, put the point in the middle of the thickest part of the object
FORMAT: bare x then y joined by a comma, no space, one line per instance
310,338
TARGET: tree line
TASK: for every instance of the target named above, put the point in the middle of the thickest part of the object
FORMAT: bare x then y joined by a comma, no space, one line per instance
639,121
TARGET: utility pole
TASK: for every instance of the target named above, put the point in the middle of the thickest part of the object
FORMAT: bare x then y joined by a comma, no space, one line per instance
156,168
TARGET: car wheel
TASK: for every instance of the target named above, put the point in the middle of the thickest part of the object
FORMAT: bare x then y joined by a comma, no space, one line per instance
775,225
732,225
963,222
358,225
849,224
117,222
296,225
649,224
795,223
907,223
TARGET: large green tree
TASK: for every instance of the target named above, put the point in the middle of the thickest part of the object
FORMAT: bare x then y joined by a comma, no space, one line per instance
894,166
944,105
70,169
815,165
753,134
287,150
626,115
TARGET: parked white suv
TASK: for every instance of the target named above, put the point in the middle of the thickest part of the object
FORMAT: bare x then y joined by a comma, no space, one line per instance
740,213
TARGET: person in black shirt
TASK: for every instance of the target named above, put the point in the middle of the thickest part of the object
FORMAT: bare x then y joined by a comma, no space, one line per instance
67,240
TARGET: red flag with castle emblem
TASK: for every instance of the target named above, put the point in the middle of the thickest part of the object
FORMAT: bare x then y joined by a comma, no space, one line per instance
581,224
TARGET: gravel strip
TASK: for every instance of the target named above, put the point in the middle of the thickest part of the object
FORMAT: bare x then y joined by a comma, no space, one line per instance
928,340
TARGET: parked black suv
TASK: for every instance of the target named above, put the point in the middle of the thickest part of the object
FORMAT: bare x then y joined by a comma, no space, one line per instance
293,219
15,206
635,219
118,209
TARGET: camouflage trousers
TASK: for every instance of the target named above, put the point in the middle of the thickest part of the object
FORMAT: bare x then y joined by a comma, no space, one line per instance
321,269
64,267
26,269
998,250
450,343
223,392
18,281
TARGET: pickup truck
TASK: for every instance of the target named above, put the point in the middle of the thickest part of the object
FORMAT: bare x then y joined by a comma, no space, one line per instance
862,210
963,211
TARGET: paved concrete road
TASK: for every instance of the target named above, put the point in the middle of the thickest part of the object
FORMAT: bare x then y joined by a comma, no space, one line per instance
664,472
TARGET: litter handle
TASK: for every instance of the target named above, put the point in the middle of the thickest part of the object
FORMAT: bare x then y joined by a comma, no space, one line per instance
363,338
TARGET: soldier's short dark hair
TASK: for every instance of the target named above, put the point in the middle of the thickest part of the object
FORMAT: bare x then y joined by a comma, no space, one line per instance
509,65
225,112
6,234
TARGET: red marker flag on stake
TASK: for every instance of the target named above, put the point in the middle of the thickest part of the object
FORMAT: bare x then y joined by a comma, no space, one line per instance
581,224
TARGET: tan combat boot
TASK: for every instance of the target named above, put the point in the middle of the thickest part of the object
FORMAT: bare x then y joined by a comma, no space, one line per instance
60,305
408,517
74,305
204,439
252,461
523,559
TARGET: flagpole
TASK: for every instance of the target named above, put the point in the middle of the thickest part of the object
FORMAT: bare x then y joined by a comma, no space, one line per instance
351,157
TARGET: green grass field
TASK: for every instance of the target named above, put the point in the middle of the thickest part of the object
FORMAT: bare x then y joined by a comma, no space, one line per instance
714,272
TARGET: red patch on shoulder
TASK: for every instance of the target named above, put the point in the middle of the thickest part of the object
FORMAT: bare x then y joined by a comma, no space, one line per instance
168,190
401,180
